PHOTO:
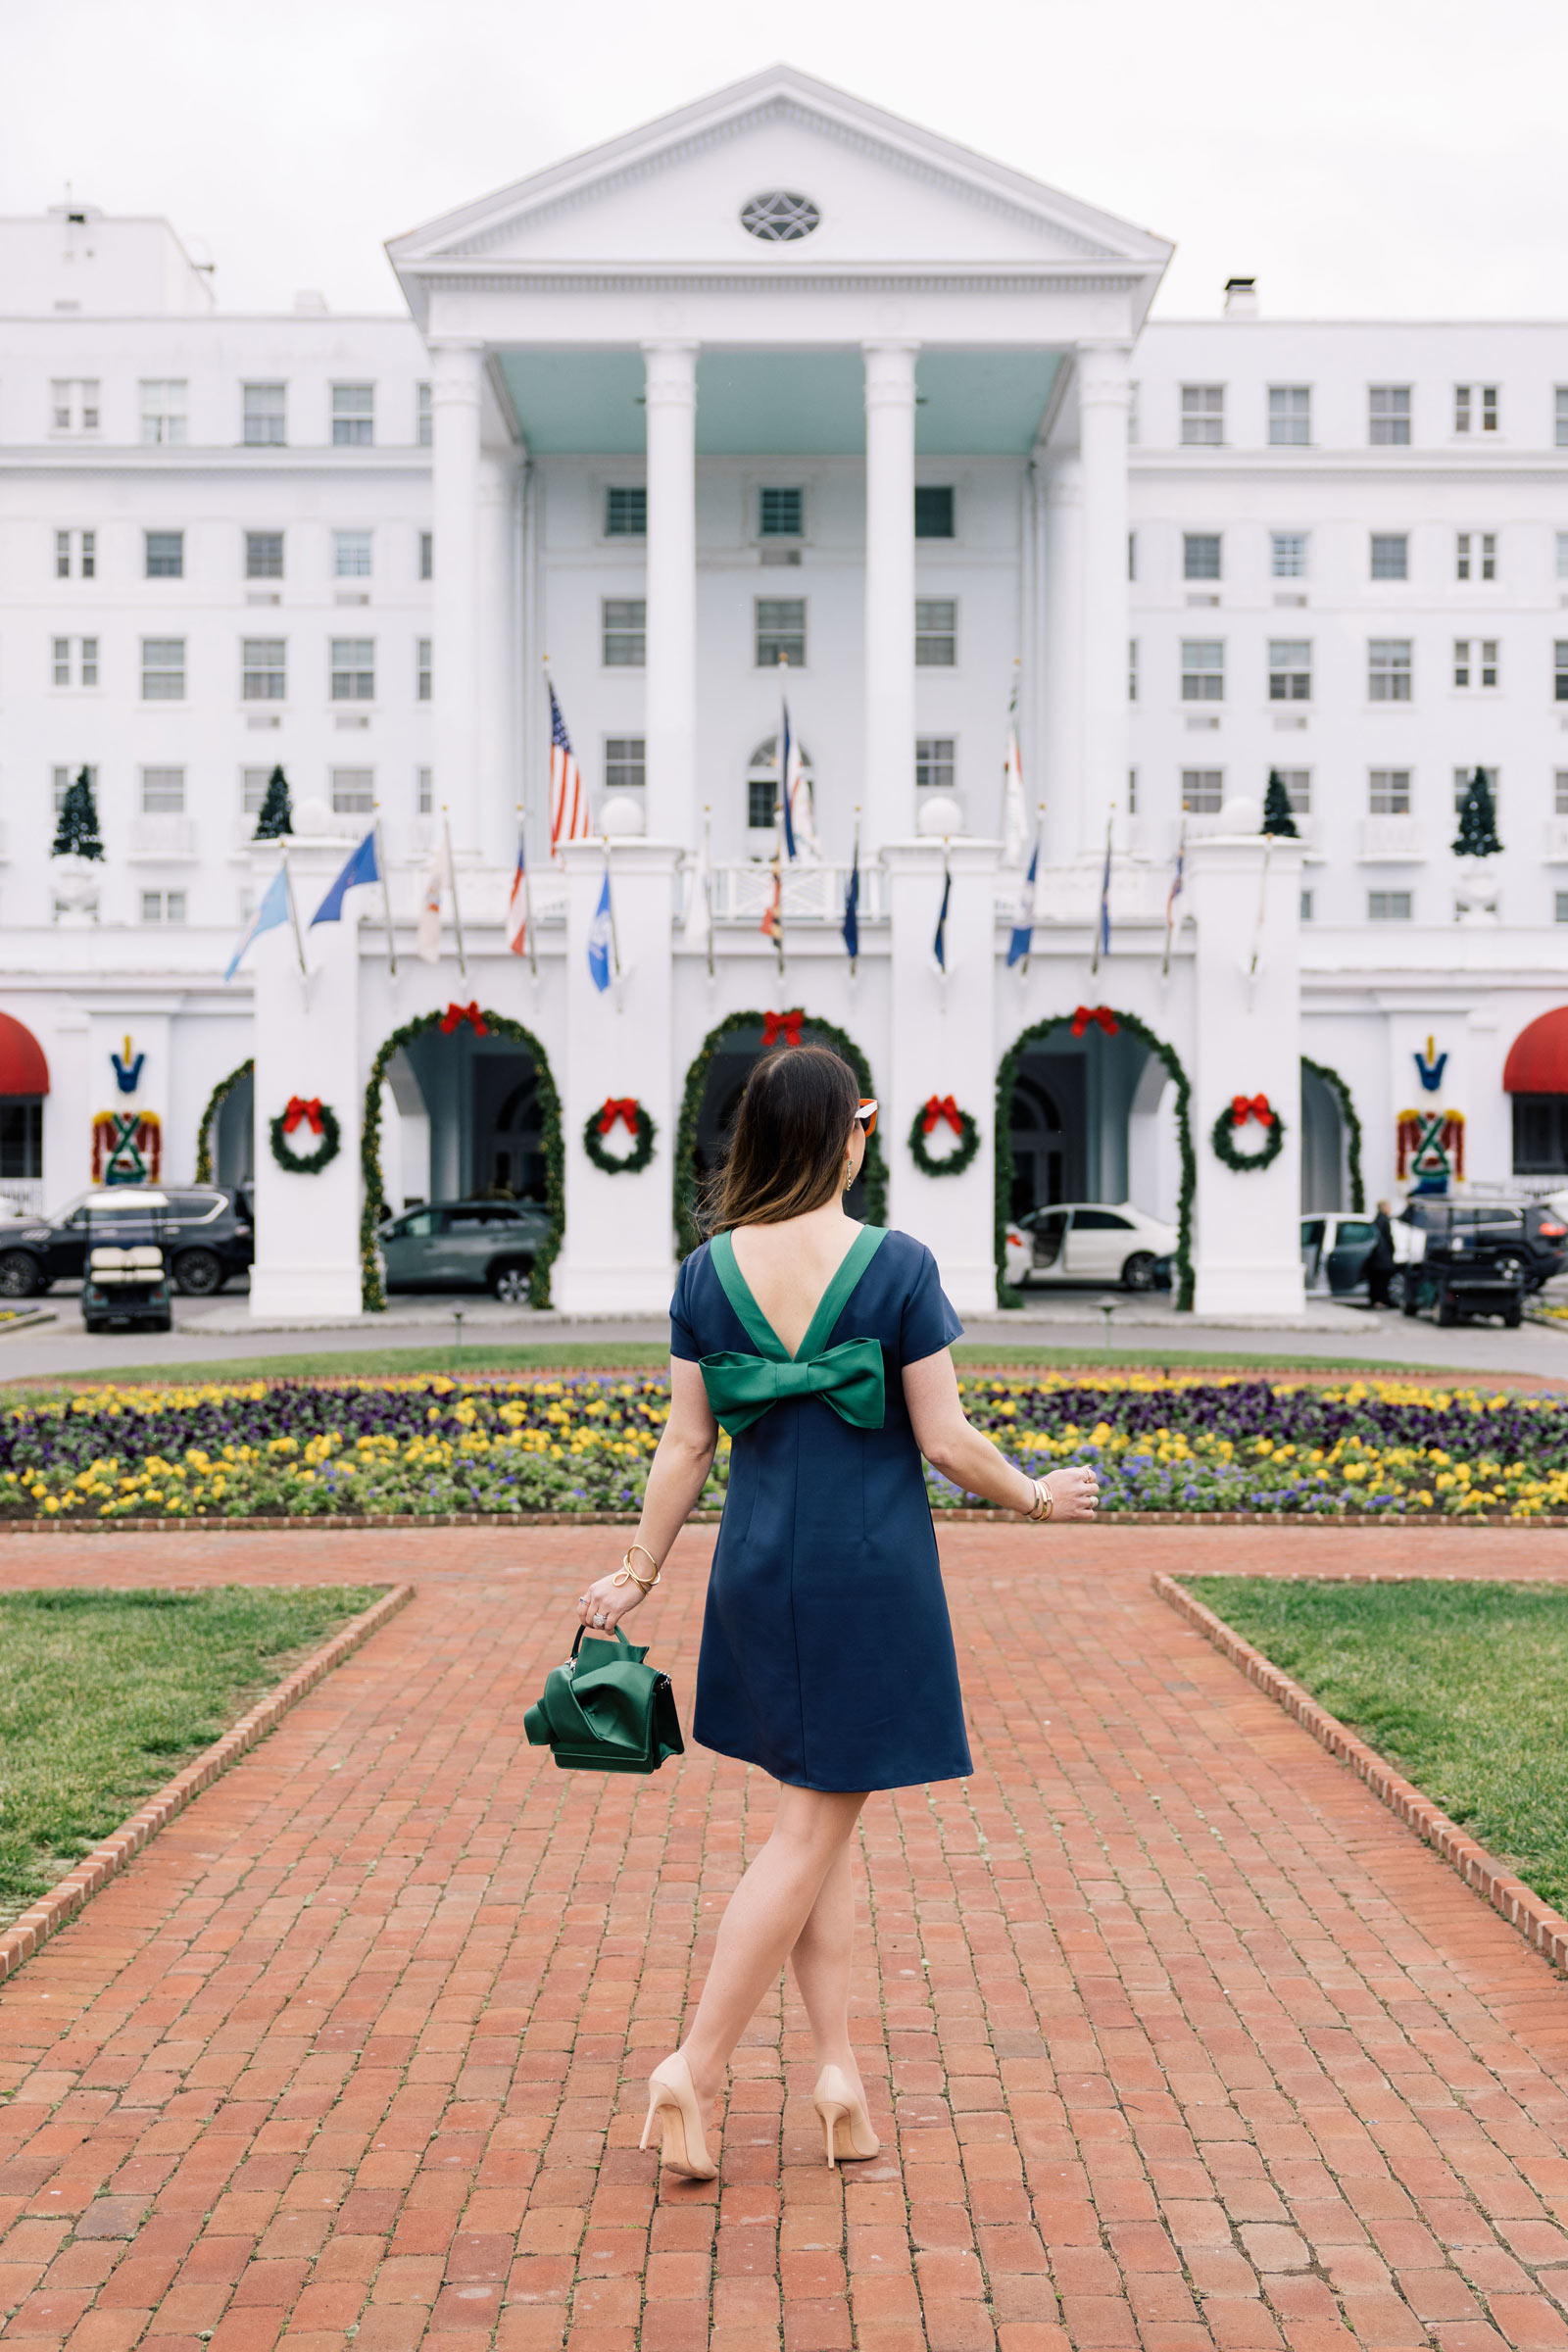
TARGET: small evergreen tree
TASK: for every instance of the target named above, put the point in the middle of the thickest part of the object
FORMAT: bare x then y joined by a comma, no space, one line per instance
276,815
1477,821
1279,819
76,834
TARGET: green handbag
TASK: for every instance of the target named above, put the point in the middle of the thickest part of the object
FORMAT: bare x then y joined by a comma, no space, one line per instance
605,1711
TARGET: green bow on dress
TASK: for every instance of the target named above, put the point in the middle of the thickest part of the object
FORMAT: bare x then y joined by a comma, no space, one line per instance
850,1377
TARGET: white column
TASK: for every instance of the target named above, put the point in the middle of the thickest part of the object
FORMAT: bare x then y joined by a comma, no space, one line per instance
1103,397
456,383
672,689
887,784
1061,667
498,775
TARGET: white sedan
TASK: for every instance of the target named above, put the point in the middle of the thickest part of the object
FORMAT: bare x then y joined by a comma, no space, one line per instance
1088,1242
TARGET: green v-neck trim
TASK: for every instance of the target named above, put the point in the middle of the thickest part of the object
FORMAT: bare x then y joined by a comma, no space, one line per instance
865,1247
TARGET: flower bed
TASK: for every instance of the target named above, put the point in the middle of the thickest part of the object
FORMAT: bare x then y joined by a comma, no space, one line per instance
1161,1443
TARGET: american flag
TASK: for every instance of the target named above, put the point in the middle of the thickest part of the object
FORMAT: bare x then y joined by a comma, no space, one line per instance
569,801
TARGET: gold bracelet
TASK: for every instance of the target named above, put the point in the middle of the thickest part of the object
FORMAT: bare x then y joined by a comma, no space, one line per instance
1045,1504
627,1573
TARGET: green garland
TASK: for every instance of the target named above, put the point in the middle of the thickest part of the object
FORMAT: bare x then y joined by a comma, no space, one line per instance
636,1159
1222,1136
1352,1129
873,1168
1007,1079
956,1160
309,1163
215,1103
498,1024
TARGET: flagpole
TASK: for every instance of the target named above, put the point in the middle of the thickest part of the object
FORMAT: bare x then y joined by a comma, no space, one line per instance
1103,918
708,879
451,879
1170,903
855,868
1040,828
778,858
527,893
293,913
387,900
1262,905
614,941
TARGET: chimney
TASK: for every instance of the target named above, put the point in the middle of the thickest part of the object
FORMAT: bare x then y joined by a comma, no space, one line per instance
1241,298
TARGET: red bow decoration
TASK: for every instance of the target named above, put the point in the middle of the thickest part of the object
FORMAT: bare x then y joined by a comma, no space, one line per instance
941,1106
456,1014
785,1025
1088,1014
1255,1106
624,1109
298,1109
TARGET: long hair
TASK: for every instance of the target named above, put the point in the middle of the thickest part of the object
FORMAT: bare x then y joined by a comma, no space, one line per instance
786,1154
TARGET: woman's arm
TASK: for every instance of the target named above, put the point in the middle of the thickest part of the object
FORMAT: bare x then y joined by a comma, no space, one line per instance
676,1477
944,1435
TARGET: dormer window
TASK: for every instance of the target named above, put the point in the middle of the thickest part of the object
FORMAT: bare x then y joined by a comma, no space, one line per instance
780,217
781,513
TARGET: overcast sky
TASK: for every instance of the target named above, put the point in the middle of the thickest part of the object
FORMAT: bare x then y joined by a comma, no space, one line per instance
1362,158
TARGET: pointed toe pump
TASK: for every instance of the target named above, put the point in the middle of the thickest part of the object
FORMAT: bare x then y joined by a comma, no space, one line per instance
673,2105
846,2124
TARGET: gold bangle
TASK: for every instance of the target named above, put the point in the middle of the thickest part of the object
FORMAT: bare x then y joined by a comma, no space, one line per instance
1045,1504
626,1574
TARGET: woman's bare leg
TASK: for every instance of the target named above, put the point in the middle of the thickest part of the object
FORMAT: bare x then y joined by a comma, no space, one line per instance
821,1963
766,1913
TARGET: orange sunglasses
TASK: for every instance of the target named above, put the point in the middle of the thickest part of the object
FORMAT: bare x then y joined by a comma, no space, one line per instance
865,1114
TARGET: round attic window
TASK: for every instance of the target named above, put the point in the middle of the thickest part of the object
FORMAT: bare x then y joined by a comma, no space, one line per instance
780,217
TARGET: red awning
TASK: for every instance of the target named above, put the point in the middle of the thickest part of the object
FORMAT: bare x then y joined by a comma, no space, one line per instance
22,1068
1538,1059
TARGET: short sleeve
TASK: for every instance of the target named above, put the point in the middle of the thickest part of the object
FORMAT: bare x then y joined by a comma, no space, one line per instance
927,1323
682,1337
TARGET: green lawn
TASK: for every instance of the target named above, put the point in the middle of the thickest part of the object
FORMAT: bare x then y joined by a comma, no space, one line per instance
104,1696
1462,1686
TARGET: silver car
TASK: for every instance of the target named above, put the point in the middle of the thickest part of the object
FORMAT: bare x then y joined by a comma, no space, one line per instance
466,1246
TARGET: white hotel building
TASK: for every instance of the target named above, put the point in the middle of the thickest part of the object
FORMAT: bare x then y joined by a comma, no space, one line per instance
779,373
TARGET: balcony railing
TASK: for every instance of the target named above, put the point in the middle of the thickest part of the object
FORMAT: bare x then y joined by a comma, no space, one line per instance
1388,840
811,893
1555,850
163,839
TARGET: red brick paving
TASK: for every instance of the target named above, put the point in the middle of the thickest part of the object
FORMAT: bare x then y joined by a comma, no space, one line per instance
1174,2036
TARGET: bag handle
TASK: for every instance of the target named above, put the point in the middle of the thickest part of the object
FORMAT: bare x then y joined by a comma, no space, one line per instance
615,1635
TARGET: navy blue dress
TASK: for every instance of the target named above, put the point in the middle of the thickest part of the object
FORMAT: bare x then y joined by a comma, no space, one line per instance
827,1653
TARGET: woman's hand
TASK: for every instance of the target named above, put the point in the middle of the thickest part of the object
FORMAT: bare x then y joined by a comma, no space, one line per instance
1074,1493
603,1606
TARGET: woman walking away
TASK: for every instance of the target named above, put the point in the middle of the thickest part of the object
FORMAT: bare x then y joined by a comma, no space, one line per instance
822,1347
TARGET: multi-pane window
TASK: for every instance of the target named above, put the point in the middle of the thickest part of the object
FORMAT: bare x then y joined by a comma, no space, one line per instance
73,404
351,554
253,783
1389,906
623,631
62,779
936,632
761,802
626,762
1288,555
423,418
625,510
1202,669
1203,791
780,630
163,669
780,513
1388,669
428,554
1559,792
933,511
264,555
1475,662
86,663
1132,669
353,415
1475,555
165,555
1560,416
1200,554
163,412
425,792
1474,406
935,763
1290,670
1559,670
1388,416
163,791
353,669
1202,415
263,675
1464,777
1388,791
1391,556
422,669
1290,416
1134,413
264,416
1560,902
1132,554
163,906
354,791
1307,906
1298,783
87,555
1132,792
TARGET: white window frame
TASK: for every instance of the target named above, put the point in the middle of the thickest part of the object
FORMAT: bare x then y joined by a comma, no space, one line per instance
1477,665
264,572
1202,417
352,790
1391,670
353,415
1377,540
423,418
174,551
1390,791
160,791
353,554
428,554
163,402
626,762
624,632
352,669
1391,907
1559,792
1192,545
780,490
1202,669
264,407
162,909
936,632
1559,412
422,670
778,633
1290,670
1299,541
61,779
1390,415
425,792
75,404
936,762
1203,791
1298,783
1132,669
1290,405
253,783
1464,777
264,670
163,669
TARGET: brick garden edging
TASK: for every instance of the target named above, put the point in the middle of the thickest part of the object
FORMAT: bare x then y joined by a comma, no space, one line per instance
35,1926
1535,1921
958,1515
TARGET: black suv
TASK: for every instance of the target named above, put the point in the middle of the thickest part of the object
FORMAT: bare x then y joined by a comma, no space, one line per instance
466,1246
209,1235
1524,1236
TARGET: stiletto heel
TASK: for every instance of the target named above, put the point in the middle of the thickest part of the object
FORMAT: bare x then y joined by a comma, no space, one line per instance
845,2125
672,2104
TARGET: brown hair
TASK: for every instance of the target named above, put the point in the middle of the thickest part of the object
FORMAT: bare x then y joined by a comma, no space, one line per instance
786,1154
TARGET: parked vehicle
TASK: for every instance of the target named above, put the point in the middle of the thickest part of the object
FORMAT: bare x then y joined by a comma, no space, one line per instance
209,1234
466,1246
1088,1242
1335,1254
126,1280
1528,1236
1463,1271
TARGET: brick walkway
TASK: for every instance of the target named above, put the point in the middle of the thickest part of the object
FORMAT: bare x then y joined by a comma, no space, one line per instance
1174,2037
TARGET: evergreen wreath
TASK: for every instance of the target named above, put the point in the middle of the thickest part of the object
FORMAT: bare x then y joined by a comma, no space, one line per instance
1226,1127
373,1290
643,1129
215,1103
1338,1087
873,1168
308,1163
1007,1080
954,1162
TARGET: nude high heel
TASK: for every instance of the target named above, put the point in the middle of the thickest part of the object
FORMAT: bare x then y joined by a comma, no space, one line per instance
846,2124
672,2102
